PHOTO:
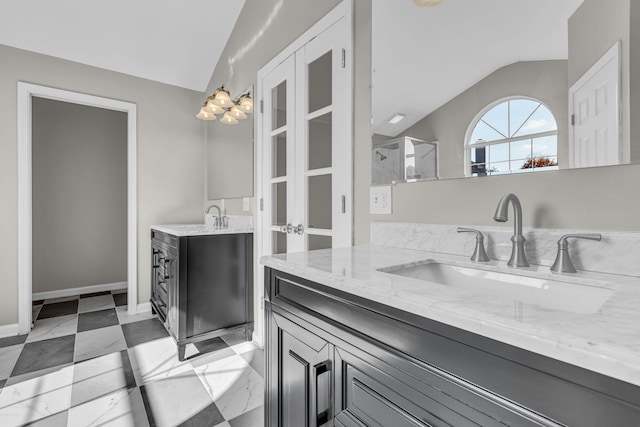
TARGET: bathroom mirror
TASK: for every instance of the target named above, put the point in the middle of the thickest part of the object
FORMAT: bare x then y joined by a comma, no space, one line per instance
442,68
404,159
230,157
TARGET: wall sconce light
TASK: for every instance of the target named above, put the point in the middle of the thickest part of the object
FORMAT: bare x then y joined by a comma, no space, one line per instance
221,103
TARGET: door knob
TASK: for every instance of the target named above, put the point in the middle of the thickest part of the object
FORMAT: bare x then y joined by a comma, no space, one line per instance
299,229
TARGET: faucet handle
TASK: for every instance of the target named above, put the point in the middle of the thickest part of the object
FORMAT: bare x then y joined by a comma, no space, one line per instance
563,263
479,254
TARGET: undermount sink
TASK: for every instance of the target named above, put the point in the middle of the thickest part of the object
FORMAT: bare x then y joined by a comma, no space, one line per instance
575,295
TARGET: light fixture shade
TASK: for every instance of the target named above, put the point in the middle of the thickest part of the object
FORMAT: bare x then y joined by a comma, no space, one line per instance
427,3
203,114
246,104
213,108
237,113
221,98
228,119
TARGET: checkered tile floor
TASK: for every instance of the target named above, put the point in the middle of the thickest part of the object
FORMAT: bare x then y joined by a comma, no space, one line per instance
87,362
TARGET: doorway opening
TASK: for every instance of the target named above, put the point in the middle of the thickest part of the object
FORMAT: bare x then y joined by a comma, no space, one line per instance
26,92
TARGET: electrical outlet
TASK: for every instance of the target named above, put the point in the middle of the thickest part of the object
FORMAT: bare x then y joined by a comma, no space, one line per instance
380,200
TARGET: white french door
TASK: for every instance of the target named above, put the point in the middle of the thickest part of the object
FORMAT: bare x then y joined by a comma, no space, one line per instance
307,145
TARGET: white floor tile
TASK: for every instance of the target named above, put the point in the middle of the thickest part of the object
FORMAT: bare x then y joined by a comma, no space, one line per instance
98,342
156,360
36,398
101,302
8,358
53,327
233,384
125,317
95,378
122,408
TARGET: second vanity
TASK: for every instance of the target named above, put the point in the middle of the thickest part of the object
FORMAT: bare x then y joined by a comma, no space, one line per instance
357,345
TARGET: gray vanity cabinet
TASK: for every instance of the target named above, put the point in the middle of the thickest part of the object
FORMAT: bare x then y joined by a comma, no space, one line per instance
202,286
336,359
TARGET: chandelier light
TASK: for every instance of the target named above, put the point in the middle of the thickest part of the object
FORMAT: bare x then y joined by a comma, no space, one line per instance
220,102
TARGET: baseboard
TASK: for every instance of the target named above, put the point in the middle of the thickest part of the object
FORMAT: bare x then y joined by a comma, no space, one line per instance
78,291
10,330
144,307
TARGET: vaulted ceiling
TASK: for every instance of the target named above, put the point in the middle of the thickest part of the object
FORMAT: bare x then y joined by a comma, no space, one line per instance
169,41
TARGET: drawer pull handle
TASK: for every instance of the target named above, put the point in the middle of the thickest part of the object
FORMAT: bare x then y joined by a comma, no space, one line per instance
322,416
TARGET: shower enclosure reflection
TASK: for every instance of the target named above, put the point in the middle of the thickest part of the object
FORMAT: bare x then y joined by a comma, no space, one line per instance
404,159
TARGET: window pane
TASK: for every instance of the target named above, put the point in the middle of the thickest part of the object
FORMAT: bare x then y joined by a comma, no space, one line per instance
541,121
521,149
499,152
319,196
279,203
279,242
279,106
499,168
319,242
478,169
320,142
520,110
320,82
545,146
498,118
482,132
279,155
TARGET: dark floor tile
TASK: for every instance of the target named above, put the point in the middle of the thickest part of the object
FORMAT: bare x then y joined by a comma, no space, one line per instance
120,299
209,416
213,344
144,331
45,354
9,341
253,418
95,294
38,302
58,309
255,358
97,319
2,383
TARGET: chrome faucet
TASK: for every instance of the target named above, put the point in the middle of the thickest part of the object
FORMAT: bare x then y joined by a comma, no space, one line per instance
518,256
563,262
479,254
218,220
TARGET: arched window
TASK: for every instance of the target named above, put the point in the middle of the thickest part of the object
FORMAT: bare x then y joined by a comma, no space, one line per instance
512,136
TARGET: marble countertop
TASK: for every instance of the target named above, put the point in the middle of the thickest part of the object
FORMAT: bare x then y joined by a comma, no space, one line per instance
200,229
607,341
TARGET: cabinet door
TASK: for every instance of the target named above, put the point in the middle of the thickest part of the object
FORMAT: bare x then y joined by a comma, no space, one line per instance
301,376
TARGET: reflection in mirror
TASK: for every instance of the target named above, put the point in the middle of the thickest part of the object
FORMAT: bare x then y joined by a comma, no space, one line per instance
443,67
230,158
404,160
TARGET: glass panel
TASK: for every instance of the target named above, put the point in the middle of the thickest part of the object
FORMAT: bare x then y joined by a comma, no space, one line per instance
279,203
479,169
386,164
279,106
521,165
320,82
541,162
499,152
498,119
482,133
547,146
279,242
520,110
320,142
541,121
279,155
319,196
521,149
319,242
499,168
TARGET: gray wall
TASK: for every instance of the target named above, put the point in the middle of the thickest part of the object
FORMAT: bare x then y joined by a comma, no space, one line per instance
170,153
593,29
230,160
79,195
543,80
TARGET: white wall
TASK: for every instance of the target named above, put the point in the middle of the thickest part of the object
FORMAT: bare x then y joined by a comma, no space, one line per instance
170,153
79,195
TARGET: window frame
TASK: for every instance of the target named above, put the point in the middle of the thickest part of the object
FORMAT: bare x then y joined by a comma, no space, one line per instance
476,119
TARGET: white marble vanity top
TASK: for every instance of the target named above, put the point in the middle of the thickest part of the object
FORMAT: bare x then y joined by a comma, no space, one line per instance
199,229
607,341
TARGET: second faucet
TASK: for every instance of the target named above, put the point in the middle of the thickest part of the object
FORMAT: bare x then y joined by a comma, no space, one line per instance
518,255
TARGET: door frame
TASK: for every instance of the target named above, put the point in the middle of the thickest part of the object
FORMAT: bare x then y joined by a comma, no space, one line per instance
26,91
343,10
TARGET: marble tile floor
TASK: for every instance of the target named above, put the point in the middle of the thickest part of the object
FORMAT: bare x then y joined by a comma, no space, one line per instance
87,362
